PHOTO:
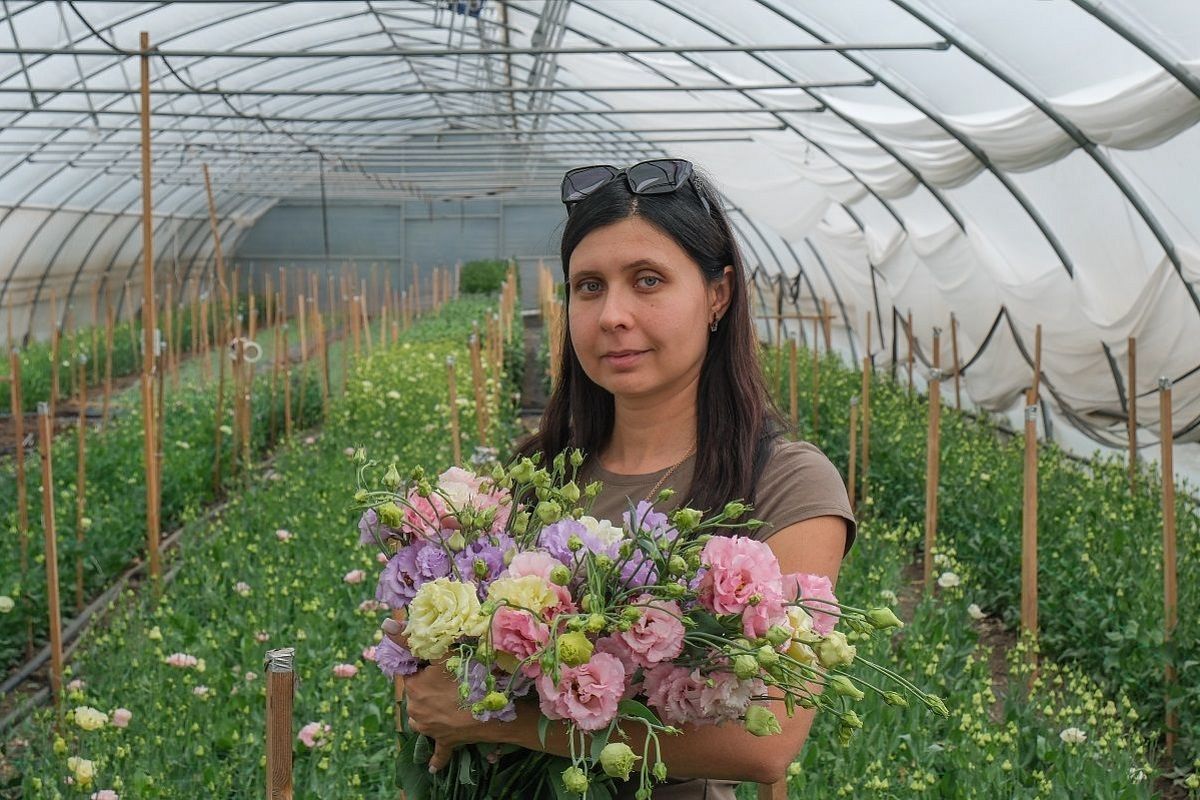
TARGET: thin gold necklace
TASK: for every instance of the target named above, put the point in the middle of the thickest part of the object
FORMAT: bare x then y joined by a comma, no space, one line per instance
669,473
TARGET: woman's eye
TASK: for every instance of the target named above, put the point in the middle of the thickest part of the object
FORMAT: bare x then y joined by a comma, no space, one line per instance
588,286
650,281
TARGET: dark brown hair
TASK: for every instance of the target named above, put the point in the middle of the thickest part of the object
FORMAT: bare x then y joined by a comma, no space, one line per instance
736,419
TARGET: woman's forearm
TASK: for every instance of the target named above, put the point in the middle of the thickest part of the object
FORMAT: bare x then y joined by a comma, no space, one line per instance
721,752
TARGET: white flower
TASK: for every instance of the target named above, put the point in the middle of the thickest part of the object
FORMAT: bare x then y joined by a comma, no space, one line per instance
975,612
605,532
941,559
242,588
889,597
948,580
1136,774
201,691
1073,736
6,604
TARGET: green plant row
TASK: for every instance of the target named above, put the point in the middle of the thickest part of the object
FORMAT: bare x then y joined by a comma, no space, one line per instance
1100,544
482,277
198,731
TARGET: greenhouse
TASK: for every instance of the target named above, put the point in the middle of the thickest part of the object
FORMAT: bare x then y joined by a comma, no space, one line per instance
616,399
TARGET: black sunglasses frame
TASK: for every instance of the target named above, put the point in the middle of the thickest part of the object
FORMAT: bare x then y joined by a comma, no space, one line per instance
660,183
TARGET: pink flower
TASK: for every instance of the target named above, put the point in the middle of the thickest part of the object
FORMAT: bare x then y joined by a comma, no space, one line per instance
517,635
313,734
120,718
250,677
587,695
368,653
809,590
381,558
282,534
345,670
310,440
201,691
617,648
105,794
242,588
743,577
76,685
541,564
727,698
372,605
181,660
348,451
355,576
675,692
261,636
657,635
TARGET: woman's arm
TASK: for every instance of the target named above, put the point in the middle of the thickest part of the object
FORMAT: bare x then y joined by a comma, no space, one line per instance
721,752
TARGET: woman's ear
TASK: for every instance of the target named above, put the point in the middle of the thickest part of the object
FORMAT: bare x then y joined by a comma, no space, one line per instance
720,293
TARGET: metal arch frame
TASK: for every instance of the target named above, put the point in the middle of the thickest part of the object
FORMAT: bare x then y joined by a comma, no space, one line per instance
837,295
781,272
1068,127
938,119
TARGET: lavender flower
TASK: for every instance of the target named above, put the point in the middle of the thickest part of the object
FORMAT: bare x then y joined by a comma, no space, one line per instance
410,569
511,685
394,659
554,538
485,555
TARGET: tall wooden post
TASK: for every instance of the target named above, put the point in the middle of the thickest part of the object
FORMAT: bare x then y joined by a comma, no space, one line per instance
1029,525
816,378
954,355
281,689
851,475
16,404
149,324
1170,566
482,423
933,458
1131,424
866,427
56,653
793,387
80,482
455,437
908,331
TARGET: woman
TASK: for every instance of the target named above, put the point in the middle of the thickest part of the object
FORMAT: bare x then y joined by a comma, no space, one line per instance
662,386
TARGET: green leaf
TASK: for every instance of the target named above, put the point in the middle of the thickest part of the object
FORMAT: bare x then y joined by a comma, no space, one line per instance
543,727
632,708
600,740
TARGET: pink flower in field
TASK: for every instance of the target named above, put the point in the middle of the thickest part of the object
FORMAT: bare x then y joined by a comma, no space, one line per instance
675,692
283,535
310,440
201,691
355,576
251,677
345,670
368,653
120,718
181,660
587,695
261,636
657,635
809,591
381,558
105,794
76,685
517,635
727,698
743,577
372,605
242,588
348,451
313,734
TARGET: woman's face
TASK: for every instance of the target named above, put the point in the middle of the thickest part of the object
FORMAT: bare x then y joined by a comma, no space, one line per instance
640,309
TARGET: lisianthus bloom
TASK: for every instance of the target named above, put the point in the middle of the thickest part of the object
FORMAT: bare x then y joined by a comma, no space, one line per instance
181,660
368,653
528,591
743,578
6,604
815,592
657,635
394,659
83,769
242,588
442,611
90,719
313,734
464,489
283,535
541,564
412,567
121,717
345,670
105,794
675,693
586,695
515,636
354,576
724,697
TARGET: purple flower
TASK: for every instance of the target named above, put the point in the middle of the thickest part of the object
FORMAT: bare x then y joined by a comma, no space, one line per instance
394,659
653,522
410,569
511,685
486,553
367,523
554,539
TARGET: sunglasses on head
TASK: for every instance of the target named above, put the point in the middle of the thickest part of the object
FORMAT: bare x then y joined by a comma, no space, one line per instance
656,176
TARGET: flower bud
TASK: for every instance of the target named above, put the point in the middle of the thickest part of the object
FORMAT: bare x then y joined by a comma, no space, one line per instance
548,511
851,719
360,456
390,515
686,520
602,561
576,458
424,488
521,523
631,613
677,565
570,492
735,509
498,473
595,623
834,651
675,590
660,770
560,575
574,543
457,542
392,479
745,666
845,687
618,760
494,701
593,489
884,618
453,663
665,495
560,461
361,495
767,655
480,568
761,721
895,699
575,780
777,635
935,704
574,649
509,555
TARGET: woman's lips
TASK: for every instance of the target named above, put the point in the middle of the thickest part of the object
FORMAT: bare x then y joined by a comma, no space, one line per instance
623,358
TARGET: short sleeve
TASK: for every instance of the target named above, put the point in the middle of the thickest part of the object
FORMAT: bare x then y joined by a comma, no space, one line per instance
799,482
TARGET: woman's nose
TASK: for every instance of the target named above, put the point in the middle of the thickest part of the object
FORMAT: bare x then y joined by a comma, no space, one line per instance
616,312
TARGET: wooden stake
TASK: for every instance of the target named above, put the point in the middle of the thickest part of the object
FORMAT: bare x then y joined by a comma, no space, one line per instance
866,426
954,355
816,380
477,381
908,331
109,332
281,689
149,323
827,324
1170,566
455,438
56,652
793,389
1131,425
80,485
1029,526
302,323
932,459
55,344
852,477
1034,391
16,404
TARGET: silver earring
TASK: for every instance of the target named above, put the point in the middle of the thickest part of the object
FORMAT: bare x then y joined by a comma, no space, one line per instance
713,327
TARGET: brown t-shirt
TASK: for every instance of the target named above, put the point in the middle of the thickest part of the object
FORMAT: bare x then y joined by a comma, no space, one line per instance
798,482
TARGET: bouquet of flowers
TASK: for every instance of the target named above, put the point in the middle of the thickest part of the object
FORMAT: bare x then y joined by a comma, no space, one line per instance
661,621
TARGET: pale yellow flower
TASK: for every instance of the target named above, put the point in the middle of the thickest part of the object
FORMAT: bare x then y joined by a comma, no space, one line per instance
442,611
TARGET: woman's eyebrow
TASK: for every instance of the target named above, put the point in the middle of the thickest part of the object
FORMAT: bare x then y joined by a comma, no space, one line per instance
632,265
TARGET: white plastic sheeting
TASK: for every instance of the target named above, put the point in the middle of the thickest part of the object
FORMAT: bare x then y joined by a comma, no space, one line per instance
1033,163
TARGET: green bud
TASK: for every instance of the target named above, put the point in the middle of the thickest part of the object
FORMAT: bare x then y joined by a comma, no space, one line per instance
521,522
488,607
794,769
845,687
574,543
858,624
570,492
595,623
457,542
686,520
643,794
453,663
735,509
542,480
660,770
498,473
360,456
745,666
895,699
618,760
777,635
884,618
675,590
391,478
593,489
560,575
494,701
560,461
935,704
390,515
575,780
624,626
851,719
576,458
804,701
677,565
631,613
576,624
591,602
509,555
574,649
418,473
626,549
361,495
602,561
761,721
424,488
834,650
665,495
548,511
767,655
480,568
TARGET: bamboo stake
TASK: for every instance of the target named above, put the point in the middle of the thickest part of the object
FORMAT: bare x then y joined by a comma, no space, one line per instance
1029,526
827,324
302,324
55,344
793,389
281,689
908,331
933,458
477,381
108,360
1131,425
816,380
1170,566
1034,391
18,417
276,355
80,484
51,552
168,329
94,354
148,322
324,353
851,483
455,438
954,355
366,321
866,427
